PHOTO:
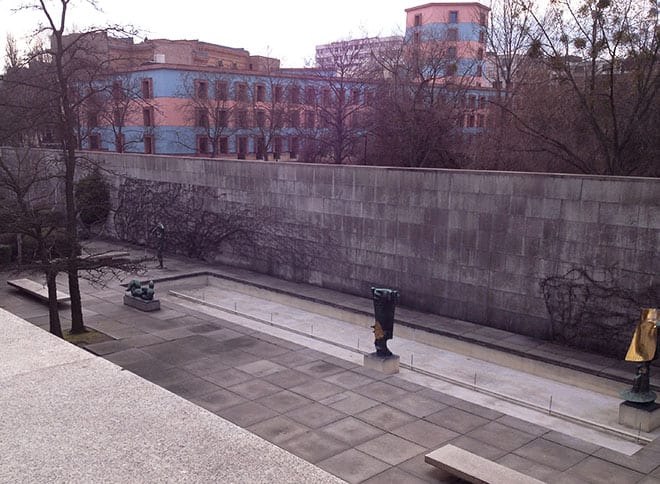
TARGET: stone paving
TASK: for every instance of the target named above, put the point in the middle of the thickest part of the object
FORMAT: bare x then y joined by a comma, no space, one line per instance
359,425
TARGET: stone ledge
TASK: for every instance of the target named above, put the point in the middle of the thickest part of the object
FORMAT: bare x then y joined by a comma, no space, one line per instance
640,416
141,304
473,468
383,364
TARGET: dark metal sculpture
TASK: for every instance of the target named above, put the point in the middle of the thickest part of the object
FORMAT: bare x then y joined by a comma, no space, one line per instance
142,292
384,305
159,230
643,349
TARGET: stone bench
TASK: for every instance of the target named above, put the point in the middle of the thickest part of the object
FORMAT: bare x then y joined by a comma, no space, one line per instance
473,468
37,290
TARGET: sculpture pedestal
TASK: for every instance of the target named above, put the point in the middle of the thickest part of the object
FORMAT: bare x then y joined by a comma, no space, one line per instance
384,364
640,416
141,304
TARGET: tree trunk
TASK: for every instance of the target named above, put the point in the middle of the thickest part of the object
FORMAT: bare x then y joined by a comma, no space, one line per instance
53,314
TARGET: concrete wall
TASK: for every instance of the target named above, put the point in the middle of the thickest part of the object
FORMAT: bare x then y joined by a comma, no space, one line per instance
469,245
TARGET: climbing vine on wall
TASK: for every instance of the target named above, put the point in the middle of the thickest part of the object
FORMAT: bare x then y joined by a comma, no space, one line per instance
201,224
596,312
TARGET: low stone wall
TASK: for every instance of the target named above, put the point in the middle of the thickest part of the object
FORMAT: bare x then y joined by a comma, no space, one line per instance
465,244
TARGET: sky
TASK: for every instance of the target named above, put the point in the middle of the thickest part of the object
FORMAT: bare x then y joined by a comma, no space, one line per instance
286,29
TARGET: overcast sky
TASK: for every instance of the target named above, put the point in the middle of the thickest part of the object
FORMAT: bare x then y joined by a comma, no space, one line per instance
286,29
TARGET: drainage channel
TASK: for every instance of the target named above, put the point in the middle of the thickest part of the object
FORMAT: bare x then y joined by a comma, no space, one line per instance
636,438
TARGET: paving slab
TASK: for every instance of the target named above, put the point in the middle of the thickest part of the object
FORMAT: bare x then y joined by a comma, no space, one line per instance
391,449
353,466
352,431
550,454
62,399
314,446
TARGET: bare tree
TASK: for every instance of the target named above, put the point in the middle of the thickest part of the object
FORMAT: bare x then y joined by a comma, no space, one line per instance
597,68
119,104
335,121
421,102
67,77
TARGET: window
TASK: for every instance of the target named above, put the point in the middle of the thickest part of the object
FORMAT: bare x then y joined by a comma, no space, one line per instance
355,96
117,91
277,118
222,118
309,119
223,145
277,147
241,92
201,118
453,16
418,20
294,147
242,143
221,90
355,120
481,121
149,147
310,95
277,94
483,20
260,93
469,121
482,37
147,88
294,95
472,102
482,102
417,37
117,117
294,119
451,52
120,142
326,97
201,89
94,141
369,98
260,144
242,118
452,35
202,145
92,119
147,117
480,54
451,69
260,118
480,71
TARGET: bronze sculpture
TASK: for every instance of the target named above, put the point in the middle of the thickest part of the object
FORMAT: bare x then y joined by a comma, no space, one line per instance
643,349
142,292
384,304
159,230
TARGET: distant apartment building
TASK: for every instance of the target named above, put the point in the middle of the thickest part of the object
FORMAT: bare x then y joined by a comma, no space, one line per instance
357,53
184,97
459,30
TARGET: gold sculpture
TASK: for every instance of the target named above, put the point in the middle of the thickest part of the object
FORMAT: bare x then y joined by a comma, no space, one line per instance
643,349
645,338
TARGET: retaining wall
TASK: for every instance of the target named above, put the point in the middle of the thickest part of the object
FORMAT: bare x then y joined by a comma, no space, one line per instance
465,244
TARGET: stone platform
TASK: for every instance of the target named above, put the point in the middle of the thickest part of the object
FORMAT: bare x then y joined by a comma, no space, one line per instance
141,304
389,365
640,416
